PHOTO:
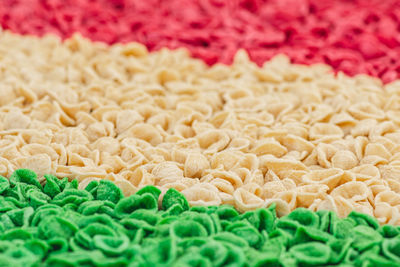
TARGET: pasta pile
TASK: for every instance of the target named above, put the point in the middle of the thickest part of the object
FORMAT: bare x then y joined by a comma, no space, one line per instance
243,135
60,225
364,40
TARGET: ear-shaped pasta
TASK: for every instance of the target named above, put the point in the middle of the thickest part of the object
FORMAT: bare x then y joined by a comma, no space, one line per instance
382,129
355,191
33,149
364,207
223,186
63,171
377,186
307,194
374,160
9,151
311,159
344,121
107,144
376,149
96,130
189,182
226,159
84,119
325,152
394,116
280,165
279,109
365,110
281,206
392,147
262,118
176,184
133,158
386,214
269,146
340,205
245,200
204,109
255,177
389,197
139,177
167,170
270,189
126,118
188,143
266,132
366,172
81,173
363,127
7,95
39,163
112,164
213,140
130,49
344,159
79,149
202,195
248,161
246,104
290,197
234,94
74,159
318,112
6,168
167,75
223,118
15,119
216,134
330,177
195,165
360,143
297,143
325,132
230,177
162,120
239,144
296,129
294,175
144,132
344,144
394,185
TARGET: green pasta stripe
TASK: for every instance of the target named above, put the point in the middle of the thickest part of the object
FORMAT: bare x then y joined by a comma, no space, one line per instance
60,225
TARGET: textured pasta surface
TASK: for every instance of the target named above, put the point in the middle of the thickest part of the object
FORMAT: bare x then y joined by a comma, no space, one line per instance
243,135
60,225
364,40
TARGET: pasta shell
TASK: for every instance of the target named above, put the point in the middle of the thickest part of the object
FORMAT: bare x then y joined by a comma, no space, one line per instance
325,131
244,200
328,177
195,165
344,160
365,110
355,191
269,146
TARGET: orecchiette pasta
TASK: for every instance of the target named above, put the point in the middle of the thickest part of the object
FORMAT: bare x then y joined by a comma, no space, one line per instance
241,134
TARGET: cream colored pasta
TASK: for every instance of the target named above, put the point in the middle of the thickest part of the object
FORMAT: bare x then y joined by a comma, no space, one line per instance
244,135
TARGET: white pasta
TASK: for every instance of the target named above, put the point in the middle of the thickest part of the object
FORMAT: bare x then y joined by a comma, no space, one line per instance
244,135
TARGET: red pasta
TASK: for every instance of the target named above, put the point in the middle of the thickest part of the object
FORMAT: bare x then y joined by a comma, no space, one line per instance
359,36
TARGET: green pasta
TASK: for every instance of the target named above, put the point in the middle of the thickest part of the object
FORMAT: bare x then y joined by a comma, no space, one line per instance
59,225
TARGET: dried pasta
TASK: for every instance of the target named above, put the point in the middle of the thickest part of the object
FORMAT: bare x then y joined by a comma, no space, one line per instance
241,134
